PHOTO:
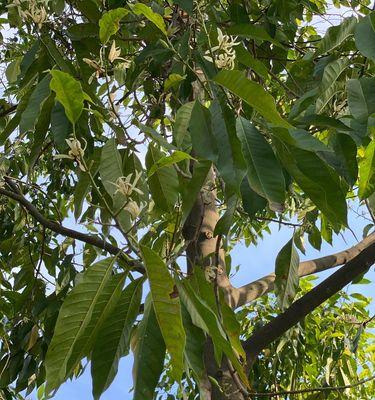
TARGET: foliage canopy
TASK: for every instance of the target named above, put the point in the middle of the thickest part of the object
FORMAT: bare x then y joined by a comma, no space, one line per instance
140,142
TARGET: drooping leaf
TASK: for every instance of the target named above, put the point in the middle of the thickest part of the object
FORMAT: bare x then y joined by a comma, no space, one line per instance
167,308
163,183
252,31
31,114
75,317
361,97
264,171
61,127
181,126
110,168
251,201
69,93
367,172
149,354
286,271
365,36
336,35
230,163
165,161
200,128
253,94
332,72
326,96
244,57
109,23
203,317
113,339
173,80
155,18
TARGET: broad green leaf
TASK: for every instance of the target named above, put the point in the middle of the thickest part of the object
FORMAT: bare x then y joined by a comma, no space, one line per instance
317,180
346,153
110,168
167,308
191,189
245,57
165,161
149,354
155,18
84,30
205,318
202,137
327,95
253,94
61,127
225,222
230,163
56,55
195,343
113,339
252,31
251,201
264,171
180,130
163,183
109,23
365,36
361,97
336,35
367,172
173,80
30,116
69,93
13,70
186,5
332,72
75,317
286,271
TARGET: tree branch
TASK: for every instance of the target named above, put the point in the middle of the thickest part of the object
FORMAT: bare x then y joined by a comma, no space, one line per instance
238,297
317,389
265,335
58,228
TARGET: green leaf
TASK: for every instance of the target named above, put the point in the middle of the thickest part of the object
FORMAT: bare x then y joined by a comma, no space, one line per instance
191,189
230,163
56,55
205,318
109,23
326,96
361,97
186,5
180,130
225,222
367,172
110,168
155,18
202,137
149,354
251,201
69,93
173,80
253,94
245,57
336,35
316,179
61,127
74,321
264,171
365,36
163,183
332,72
167,308
253,32
174,158
286,271
113,339
30,116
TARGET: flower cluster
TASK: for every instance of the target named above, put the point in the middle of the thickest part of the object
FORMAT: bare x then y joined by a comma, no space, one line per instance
35,10
224,54
75,153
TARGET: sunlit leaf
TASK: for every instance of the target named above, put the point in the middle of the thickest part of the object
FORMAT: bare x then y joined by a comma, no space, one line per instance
109,23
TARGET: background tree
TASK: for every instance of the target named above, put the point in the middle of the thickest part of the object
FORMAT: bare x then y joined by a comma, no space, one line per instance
140,143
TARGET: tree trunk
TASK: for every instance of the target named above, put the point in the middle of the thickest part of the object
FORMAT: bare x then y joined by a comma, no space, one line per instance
205,251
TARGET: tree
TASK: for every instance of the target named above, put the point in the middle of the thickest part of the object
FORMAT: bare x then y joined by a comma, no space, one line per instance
163,133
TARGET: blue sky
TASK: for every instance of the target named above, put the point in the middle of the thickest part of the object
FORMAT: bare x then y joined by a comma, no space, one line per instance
255,262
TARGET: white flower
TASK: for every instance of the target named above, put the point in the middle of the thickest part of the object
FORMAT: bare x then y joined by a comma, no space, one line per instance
114,53
38,15
133,209
223,53
75,153
125,187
